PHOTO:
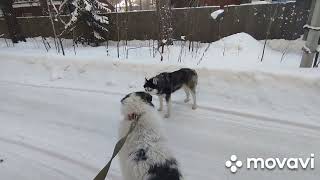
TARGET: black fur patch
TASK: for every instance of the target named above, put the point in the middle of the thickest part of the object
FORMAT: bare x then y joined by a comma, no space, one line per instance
149,84
165,171
146,97
140,155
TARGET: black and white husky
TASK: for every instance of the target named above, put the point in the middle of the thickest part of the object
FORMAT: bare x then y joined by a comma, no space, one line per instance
166,83
145,155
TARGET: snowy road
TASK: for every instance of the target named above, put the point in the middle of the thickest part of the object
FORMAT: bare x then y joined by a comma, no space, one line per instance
55,133
59,114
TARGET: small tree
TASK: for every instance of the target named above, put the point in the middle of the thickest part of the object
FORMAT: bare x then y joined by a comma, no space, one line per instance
84,13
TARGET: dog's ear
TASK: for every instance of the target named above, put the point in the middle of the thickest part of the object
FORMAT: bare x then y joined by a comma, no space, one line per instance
146,79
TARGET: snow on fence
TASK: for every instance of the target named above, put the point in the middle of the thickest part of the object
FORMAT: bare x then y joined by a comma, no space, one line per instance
194,24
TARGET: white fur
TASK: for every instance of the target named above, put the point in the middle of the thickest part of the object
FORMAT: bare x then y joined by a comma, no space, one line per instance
194,106
146,135
187,91
169,107
161,102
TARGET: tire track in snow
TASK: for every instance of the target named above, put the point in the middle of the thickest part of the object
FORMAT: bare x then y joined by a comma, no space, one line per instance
252,116
42,164
50,153
61,88
61,157
258,117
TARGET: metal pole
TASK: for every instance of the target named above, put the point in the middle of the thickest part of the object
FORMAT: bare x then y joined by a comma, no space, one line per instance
307,5
313,38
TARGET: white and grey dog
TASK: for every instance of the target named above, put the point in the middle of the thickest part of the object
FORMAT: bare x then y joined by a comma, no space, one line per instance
145,155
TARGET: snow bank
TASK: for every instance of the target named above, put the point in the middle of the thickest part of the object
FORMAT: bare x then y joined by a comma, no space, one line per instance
238,52
282,45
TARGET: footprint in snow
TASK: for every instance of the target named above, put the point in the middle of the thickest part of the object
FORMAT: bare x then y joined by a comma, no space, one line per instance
110,83
132,85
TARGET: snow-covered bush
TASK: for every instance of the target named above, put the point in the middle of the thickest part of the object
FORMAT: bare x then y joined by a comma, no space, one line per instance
85,13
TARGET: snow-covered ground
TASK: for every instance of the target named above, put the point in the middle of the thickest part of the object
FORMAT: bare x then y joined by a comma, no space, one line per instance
59,114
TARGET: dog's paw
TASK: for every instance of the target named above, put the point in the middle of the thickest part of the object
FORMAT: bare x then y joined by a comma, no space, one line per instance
167,116
194,107
186,100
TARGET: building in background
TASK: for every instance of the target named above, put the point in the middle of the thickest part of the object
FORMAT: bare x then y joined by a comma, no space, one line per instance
23,8
188,3
133,5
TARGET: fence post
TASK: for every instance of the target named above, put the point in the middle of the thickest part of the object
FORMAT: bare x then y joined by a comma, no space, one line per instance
312,39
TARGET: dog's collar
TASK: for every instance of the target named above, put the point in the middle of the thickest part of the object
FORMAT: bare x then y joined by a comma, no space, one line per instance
134,116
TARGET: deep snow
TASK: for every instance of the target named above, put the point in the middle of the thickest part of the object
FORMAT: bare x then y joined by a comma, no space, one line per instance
238,52
59,115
